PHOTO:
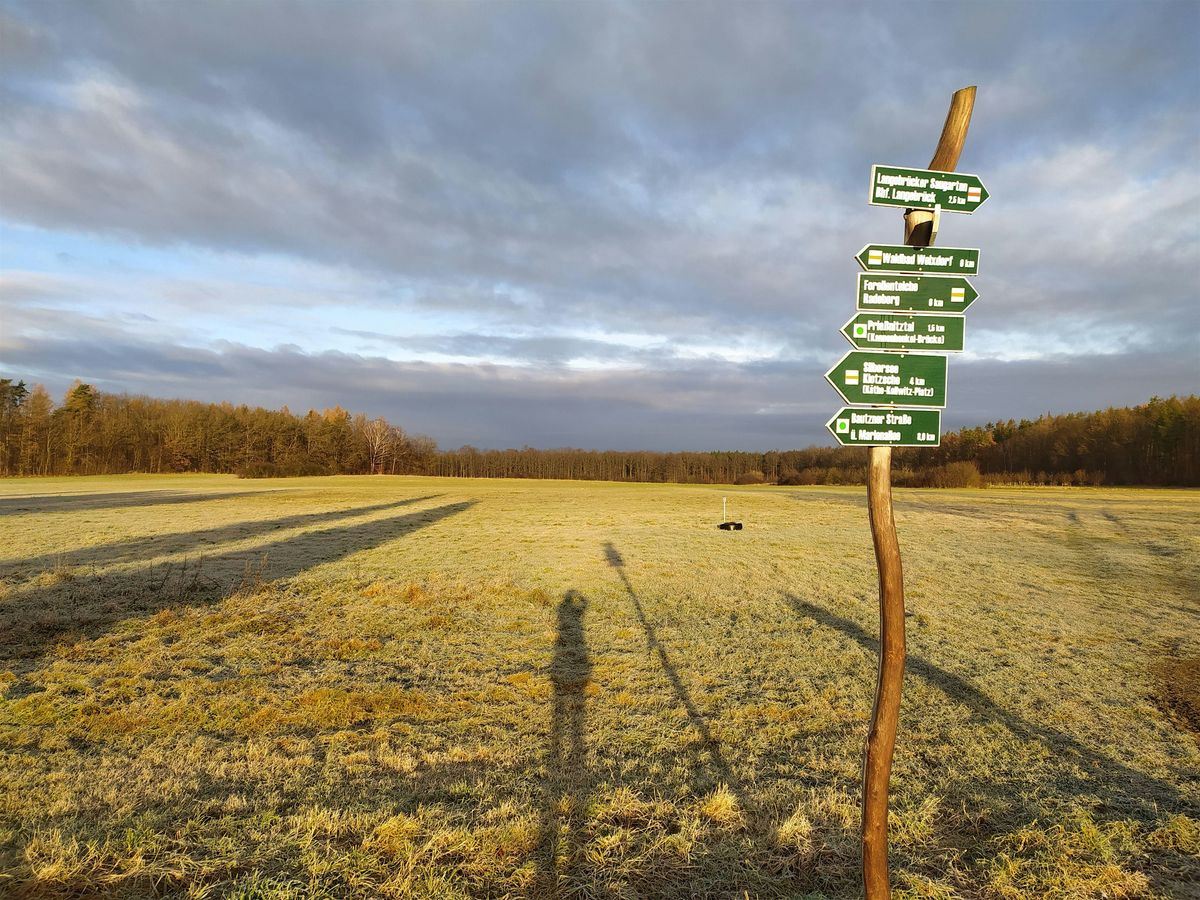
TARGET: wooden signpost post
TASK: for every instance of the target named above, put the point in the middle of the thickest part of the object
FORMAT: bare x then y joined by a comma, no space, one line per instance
908,188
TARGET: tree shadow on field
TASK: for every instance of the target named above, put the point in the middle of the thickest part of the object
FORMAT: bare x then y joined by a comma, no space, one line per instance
48,503
87,607
1171,565
134,549
1122,789
567,782
708,741
815,494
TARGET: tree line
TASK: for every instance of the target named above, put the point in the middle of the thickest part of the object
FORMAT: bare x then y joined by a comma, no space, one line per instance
92,432
1157,443
96,433
1154,444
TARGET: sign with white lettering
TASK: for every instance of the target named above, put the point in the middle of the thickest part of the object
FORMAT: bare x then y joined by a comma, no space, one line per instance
886,379
925,189
903,258
915,293
886,427
885,331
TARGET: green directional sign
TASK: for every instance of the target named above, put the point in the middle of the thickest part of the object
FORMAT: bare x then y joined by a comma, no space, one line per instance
888,379
887,427
916,293
890,331
925,189
934,260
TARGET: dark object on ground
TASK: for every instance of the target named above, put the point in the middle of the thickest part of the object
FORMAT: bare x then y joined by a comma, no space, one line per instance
1179,690
730,526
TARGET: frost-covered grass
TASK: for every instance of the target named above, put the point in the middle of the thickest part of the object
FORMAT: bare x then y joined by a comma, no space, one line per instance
393,687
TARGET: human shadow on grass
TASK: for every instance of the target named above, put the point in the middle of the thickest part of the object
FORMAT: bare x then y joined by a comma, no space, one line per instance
567,782
719,765
134,549
46,503
1123,789
86,607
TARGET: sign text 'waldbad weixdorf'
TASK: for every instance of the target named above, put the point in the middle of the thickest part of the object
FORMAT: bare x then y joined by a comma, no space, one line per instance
911,303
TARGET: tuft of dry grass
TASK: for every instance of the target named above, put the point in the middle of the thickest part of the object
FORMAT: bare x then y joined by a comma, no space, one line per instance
402,687
721,808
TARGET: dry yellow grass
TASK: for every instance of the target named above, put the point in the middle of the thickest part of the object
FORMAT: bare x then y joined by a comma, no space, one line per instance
407,687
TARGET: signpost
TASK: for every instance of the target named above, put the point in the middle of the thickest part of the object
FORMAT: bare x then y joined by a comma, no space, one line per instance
926,189
919,293
885,331
886,427
903,258
910,297
887,379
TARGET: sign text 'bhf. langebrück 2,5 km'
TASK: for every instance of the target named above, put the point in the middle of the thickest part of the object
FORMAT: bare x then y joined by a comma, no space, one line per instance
926,189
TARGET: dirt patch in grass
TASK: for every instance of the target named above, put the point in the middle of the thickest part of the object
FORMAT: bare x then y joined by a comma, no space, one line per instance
1179,690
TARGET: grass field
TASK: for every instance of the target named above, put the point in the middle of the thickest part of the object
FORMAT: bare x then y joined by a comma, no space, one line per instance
410,687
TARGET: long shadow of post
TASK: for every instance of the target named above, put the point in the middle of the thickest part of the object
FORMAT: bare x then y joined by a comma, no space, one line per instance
695,717
133,549
567,780
1126,788
89,606
39,503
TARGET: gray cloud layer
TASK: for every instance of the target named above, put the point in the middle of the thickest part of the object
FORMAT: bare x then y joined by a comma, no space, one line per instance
705,404
695,175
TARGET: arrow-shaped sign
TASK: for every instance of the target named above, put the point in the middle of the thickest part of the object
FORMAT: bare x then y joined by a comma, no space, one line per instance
903,258
886,427
918,293
926,188
886,379
885,331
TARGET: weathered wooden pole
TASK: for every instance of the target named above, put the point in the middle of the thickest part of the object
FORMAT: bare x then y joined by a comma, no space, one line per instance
881,739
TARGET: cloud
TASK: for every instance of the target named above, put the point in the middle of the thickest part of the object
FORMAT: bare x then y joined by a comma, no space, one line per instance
696,404
558,190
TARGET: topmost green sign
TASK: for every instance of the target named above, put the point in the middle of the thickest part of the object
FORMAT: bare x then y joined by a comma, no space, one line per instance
925,189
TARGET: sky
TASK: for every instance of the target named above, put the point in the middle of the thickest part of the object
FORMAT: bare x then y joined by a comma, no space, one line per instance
603,225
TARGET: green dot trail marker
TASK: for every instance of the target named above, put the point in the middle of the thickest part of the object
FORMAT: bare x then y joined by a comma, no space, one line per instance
888,379
926,189
885,331
915,293
886,427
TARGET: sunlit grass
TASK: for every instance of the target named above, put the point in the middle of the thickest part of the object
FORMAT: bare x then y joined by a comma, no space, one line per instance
402,687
